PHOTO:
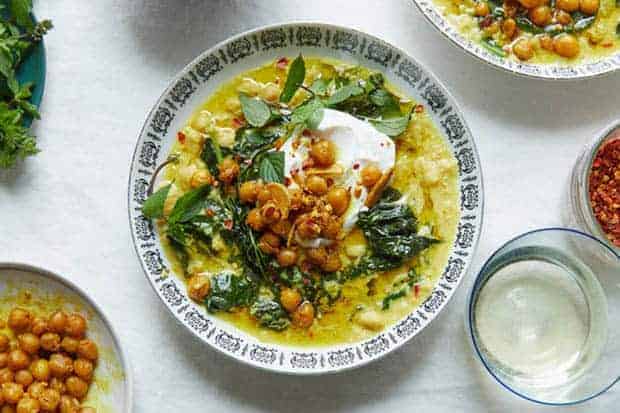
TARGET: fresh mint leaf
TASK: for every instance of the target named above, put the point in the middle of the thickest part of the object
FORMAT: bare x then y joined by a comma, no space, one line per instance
16,142
271,167
189,205
320,86
153,207
344,93
256,112
310,113
295,78
392,127
20,10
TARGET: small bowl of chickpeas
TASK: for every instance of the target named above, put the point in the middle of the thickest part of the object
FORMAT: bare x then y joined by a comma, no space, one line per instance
58,352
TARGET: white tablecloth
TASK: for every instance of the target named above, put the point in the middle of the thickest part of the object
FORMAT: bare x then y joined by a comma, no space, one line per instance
66,209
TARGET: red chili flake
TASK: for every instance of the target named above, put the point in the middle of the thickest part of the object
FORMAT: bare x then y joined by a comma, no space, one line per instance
237,123
287,181
604,188
228,224
210,212
330,181
282,63
416,290
486,22
356,165
418,109
181,137
306,281
307,132
308,163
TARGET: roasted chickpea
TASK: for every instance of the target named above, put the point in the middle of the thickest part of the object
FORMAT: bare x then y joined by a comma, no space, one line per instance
57,322
338,198
523,49
567,5
12,392
255,219
308,229
88,350
24,377
269,243
546,42
370,175
541,15
197,288
50,342
263,196
282,228
60,366
248,191
20,319
509,27
5,343
290,299
28,405
563,17
323,153
29,343
303,316
36,389
39,326
6,375
481,9
200,178
76,387
50,399
589,6
530,4
4,360
287,257
332,229
317,256
76,326
58,385
566,45
332,264
83,368
18,360
271,213
491,29
229,170
40,369
316,184
69,344
68,404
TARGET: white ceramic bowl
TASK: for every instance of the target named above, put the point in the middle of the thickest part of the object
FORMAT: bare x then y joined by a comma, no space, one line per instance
43,286
546,71
196,82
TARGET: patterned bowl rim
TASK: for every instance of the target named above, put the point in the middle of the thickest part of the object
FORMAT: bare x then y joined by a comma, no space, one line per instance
57,277
602,67
418,317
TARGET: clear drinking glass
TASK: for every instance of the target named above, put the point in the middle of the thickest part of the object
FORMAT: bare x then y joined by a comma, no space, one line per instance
544,316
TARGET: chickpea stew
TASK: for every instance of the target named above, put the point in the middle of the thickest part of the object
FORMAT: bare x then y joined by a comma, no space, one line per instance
308,202
539,31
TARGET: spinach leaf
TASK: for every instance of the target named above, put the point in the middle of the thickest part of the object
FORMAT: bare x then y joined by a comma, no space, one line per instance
212,155
271,167
180,251
295,78
309,113
153,207
411,279
344,93
387,300
526,25
618,29
189,205
256,112
390,228
270,314
392,127
229,291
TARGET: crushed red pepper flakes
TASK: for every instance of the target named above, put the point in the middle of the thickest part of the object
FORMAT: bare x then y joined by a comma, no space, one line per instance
604,189
181,137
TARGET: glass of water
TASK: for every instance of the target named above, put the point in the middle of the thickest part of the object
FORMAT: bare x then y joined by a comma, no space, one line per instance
544,316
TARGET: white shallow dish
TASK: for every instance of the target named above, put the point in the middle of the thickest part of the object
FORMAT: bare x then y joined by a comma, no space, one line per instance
196,82
606,65
16,280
